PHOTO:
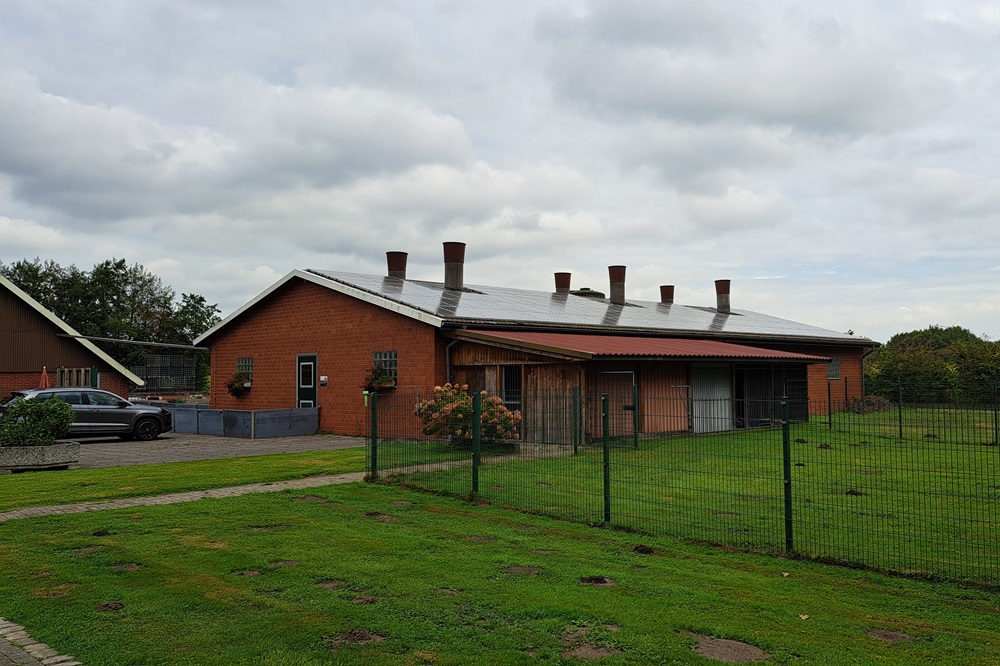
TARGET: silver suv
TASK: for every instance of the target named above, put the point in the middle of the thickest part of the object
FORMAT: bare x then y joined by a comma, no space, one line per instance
101,413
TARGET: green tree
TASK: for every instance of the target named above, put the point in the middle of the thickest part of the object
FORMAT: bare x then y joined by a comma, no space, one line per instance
935,365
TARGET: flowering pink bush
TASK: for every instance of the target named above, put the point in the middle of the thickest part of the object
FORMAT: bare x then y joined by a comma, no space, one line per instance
449,413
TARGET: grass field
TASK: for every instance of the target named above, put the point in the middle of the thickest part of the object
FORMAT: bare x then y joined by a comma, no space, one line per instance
106,483
924,504
362,574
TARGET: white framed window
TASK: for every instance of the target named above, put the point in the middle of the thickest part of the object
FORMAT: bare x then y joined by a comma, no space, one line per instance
833,370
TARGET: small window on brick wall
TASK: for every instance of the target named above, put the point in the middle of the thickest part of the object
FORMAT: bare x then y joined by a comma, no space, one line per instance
833,370
387,361
245,364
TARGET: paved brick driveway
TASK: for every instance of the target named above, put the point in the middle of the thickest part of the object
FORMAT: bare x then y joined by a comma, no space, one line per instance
173,447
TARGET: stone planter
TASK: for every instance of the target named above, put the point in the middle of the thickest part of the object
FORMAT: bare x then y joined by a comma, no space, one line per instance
64,455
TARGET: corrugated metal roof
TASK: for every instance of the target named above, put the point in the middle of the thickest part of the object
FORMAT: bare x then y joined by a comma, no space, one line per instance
482,305
590,346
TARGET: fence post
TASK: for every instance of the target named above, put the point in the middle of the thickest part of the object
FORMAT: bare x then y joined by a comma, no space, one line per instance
829,404
606,427
373,462
477,435
635,416
996,417
576,419
786,455
899,409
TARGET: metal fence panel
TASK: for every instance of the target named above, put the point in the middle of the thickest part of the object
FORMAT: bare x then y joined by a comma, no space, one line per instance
897,487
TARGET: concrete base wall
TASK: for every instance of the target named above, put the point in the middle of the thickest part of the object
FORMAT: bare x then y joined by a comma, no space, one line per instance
247,424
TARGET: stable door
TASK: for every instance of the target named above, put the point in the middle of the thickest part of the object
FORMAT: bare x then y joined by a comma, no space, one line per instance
306,380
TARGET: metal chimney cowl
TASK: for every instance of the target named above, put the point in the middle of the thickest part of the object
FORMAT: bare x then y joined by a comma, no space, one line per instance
667,293
396,264
454,265
722,296
617,278
562,283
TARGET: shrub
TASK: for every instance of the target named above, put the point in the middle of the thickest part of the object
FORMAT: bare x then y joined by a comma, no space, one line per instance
238,384
449,414
377,378
35,422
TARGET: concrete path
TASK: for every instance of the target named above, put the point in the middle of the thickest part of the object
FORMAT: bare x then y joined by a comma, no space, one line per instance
17,647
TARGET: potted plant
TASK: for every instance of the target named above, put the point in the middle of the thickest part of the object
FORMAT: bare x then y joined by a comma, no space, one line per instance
378,379
28,434
239,384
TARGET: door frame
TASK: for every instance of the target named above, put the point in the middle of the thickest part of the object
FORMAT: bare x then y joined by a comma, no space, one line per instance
306,393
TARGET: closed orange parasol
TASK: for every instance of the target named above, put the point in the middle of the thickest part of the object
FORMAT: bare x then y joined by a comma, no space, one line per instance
44,381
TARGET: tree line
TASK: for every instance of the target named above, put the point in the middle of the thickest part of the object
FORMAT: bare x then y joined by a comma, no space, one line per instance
118,301
935,365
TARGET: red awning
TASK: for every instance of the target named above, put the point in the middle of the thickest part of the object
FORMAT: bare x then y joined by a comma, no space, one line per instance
590,346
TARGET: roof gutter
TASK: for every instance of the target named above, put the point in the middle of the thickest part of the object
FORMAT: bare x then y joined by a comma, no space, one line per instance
657,332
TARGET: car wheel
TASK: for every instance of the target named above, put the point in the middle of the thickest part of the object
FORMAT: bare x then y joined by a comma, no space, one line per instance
147,429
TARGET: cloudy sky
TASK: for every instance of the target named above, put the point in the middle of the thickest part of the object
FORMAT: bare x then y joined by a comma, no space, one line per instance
839,162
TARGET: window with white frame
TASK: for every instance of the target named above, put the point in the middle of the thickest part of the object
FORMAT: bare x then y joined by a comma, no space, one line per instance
833,370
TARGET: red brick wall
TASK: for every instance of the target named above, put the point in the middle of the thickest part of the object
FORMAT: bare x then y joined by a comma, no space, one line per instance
304,318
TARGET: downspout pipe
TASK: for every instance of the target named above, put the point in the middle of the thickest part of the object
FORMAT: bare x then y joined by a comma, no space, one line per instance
447,360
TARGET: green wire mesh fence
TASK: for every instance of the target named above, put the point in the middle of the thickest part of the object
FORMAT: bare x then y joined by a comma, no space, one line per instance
905,488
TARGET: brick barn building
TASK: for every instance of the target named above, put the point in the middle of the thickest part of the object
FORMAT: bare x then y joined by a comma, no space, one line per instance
309,339
32,338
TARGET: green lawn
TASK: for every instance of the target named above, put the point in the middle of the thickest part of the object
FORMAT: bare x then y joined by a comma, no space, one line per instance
106,483
924,504
283,578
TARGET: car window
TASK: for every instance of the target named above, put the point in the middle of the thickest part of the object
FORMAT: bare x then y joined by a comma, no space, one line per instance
73,397
42,397
98,398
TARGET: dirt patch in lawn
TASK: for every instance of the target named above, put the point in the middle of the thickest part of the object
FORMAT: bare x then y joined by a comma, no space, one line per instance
329,583
245,572
128,566
352,637
589,652
385,518
482,539
309,498
86,551
283,563
267,528
364,600
521,571
52,592
729,651
111,607
642,550
889,636
597,581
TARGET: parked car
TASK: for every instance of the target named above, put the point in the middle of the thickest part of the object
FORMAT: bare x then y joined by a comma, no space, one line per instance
102,413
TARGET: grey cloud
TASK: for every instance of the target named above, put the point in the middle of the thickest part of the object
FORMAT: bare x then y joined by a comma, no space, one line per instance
112,163
781,75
